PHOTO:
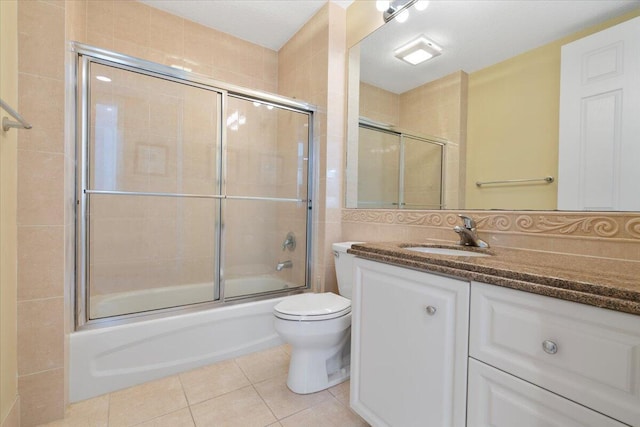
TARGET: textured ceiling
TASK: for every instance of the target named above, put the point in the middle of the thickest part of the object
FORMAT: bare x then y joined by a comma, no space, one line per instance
268,23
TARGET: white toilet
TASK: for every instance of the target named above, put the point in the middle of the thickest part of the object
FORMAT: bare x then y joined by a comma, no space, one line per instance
318,328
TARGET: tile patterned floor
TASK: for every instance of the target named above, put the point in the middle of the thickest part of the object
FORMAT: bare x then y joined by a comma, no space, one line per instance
247,391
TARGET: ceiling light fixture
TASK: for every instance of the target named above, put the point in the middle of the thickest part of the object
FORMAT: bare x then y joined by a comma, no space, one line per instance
103,78
399,9
418,50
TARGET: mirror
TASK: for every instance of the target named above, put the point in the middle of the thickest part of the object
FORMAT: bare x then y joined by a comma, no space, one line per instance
491,96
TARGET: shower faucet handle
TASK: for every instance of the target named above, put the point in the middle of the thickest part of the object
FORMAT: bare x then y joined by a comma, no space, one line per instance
289,242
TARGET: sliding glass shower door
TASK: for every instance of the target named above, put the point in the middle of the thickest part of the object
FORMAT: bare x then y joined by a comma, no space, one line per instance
266,191
152,192
399,170
187,193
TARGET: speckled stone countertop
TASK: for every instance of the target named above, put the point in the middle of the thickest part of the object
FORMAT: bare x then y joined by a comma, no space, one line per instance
600,282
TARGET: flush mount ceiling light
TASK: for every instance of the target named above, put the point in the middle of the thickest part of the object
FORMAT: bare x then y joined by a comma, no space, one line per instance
399,9
418,50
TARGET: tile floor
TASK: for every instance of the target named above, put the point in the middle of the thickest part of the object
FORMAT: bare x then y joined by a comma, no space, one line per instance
247,391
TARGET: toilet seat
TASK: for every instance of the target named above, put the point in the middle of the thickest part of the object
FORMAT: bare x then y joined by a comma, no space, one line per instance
313,307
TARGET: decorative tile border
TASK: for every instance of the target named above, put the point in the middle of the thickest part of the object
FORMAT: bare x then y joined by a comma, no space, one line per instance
614,225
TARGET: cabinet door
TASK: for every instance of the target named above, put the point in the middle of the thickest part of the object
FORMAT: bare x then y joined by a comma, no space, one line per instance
409,347
498,399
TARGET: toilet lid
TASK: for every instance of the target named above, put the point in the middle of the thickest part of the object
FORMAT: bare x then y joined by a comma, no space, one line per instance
312,306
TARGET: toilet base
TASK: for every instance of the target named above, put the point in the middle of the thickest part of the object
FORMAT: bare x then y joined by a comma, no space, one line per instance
311,371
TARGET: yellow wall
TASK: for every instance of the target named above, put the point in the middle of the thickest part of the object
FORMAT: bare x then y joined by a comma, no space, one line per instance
8,247
513,127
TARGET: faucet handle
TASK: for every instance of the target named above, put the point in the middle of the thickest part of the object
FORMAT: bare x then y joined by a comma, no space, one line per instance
469,223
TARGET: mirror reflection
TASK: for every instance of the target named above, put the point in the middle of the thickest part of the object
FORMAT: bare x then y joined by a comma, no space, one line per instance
490,98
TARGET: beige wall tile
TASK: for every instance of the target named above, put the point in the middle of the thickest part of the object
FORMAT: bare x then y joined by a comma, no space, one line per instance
41,397
166,32
40,262
101,17
132,21
40,188
41,41
40,332
40,101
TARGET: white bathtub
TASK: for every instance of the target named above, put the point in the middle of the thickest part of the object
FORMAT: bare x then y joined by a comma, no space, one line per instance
111,358
174,296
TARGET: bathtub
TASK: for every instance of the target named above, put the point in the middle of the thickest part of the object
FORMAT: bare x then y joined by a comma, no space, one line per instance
111,358
174,296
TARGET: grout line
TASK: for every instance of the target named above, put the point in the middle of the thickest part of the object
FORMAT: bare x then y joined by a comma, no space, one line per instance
108,409
265,403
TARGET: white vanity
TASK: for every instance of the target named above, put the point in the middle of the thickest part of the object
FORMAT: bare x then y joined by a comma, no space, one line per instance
432,350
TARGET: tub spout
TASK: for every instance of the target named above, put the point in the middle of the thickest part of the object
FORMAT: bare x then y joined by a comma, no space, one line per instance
284,264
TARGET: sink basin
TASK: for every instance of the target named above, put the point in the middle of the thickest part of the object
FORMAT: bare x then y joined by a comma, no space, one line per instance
445,251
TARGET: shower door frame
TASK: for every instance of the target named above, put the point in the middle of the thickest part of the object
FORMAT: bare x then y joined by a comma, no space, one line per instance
84,56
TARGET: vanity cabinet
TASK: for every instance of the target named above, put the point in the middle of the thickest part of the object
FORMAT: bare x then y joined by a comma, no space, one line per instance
536,355
409,346
498,399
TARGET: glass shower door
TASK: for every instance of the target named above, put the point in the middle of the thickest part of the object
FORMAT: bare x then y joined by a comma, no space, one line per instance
421,174
378,168
150,192
267,160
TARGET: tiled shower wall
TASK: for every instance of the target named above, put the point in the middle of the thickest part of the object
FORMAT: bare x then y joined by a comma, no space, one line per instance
311,67
43,217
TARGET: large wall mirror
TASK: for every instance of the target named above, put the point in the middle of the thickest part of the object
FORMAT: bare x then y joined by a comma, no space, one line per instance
484,109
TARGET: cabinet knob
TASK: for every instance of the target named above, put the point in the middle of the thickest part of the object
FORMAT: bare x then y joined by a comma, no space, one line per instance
550,347
431,310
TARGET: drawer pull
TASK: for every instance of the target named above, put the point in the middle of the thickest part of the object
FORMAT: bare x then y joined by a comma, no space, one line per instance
431,310
550,347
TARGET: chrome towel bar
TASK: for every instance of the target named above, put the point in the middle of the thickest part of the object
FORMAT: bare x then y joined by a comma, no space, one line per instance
547,179
8,124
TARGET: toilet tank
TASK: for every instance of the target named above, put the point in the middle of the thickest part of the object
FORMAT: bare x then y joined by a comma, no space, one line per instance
344,267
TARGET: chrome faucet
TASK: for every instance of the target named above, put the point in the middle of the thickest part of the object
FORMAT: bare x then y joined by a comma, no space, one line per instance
289,242
284,264
468,235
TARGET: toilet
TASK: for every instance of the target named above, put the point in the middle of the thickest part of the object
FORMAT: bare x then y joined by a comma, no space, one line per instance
318,328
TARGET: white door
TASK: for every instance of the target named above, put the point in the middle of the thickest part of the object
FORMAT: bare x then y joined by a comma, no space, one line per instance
599,154
409,347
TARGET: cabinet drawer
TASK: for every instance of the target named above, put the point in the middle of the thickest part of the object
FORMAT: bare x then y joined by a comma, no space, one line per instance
498,399
587,354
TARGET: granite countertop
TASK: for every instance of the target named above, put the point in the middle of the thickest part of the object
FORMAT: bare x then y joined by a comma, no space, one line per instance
607,283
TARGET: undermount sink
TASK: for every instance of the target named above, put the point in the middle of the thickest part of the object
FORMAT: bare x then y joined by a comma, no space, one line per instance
445,251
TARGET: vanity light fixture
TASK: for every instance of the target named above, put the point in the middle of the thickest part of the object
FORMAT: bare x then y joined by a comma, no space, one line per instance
418,50
399,9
